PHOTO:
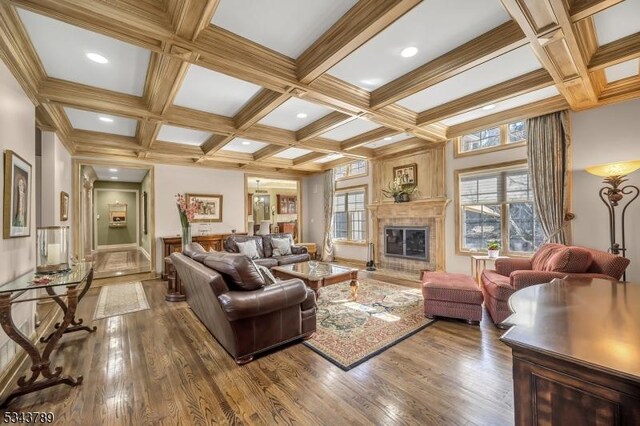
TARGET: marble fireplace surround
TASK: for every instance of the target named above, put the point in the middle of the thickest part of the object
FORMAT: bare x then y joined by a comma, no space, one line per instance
427,212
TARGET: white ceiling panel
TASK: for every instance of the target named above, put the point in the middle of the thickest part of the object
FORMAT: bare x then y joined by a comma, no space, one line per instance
513,64
517,101
328,158
122,174
97,122
434,27
245,146
622,70
263,21
352,128
388,140
182,135
213,92
618,21
292,153
63,50
286,115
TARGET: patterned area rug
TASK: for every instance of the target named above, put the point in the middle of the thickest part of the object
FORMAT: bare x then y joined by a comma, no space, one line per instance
120,299
350,332
117,261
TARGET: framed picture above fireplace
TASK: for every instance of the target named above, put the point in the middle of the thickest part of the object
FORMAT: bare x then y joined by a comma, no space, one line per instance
408,174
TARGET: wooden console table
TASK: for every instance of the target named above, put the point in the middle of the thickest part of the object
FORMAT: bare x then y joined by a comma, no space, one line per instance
576,353
80,278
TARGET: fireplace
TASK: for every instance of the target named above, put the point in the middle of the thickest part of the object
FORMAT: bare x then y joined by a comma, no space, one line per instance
411,242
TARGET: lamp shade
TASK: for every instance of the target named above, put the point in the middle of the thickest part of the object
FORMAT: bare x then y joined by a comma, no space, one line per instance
621,168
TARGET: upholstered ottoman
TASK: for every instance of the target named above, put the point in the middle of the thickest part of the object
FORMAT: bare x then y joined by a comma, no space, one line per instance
452,296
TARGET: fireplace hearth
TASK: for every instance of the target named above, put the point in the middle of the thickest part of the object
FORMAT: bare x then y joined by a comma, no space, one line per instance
410,242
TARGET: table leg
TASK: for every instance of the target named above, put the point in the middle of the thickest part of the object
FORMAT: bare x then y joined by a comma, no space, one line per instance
76,324
354,285
40,363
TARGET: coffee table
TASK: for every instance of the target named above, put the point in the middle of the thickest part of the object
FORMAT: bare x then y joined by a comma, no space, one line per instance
318,276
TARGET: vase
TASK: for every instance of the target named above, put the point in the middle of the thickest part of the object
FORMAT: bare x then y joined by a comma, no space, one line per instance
401,198
186,236
493,254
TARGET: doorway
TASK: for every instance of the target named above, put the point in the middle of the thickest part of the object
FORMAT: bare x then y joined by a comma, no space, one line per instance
115,226
273,206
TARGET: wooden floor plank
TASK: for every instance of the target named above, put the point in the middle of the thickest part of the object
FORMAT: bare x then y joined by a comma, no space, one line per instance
161,366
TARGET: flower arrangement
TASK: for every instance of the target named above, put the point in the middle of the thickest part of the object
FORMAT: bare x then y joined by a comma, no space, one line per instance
186,211
493,248
399,191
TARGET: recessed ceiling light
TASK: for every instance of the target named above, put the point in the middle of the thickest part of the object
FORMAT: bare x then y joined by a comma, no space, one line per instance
488,107
408,52
106,119
388,138
97,58
113,170
246,143
301,115
114,177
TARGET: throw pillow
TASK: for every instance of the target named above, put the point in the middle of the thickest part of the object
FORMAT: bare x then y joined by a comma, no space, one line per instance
267,275
570,260
249,249
281,246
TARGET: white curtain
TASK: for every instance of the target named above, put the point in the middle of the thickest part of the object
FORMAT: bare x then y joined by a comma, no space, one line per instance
329,191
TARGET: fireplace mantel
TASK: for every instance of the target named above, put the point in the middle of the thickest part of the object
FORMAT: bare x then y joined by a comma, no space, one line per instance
424,211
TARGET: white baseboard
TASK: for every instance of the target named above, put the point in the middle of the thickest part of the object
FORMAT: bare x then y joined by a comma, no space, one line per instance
118,246
145,253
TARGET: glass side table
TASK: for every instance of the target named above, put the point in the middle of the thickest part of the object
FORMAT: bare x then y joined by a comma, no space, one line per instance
77,282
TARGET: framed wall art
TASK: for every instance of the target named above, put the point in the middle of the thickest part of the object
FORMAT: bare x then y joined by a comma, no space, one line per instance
17,196
208,207
64,206
408,174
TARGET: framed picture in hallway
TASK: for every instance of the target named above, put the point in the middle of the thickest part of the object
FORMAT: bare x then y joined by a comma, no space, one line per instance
64,206
208,207
17,196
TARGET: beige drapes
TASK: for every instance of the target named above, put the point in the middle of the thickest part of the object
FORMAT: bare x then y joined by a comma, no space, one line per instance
548,150
329,191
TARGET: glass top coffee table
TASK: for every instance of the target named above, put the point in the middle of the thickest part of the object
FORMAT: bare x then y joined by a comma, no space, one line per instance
319,274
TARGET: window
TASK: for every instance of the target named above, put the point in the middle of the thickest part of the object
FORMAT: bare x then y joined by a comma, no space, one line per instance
497,204
349,215
350,170
495,138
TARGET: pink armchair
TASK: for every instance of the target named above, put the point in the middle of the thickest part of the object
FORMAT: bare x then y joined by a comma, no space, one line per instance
549,262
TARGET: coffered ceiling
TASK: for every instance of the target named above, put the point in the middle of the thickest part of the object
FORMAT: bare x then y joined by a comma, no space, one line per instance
297,86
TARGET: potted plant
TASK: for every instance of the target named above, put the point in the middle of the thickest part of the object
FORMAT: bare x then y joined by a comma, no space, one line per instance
400,192
493,249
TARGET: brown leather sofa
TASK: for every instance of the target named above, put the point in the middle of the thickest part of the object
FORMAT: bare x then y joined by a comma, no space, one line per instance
265,249
229,295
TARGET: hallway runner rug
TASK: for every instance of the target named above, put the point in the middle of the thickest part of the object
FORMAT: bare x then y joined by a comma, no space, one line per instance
351,332
120,299
117,261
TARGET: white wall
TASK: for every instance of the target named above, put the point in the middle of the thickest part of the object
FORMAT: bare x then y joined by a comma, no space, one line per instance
456,263
172,180
56,178
17,255
604,135
313,208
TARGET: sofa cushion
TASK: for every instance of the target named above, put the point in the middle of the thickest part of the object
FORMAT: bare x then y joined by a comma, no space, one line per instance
281,246
248,248
269,262
292,258
267,275
498,286
545,252
237,269
231,246
266,242
192,249
569,259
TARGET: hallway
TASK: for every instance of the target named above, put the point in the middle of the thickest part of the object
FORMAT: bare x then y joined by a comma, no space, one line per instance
121,262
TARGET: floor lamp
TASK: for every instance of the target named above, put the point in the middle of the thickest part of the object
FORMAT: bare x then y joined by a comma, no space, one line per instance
612,195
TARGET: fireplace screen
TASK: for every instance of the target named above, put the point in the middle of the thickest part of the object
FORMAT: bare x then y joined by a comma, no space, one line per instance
408,242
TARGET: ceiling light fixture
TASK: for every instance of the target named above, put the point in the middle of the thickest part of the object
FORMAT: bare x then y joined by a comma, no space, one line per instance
408,52
488,107
113,170
106,119
388,138
301,115
246,143
114,177
97,58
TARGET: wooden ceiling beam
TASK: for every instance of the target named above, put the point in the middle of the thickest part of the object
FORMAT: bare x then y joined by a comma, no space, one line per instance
365,138
268,151
490,45
526,83
581,9
618,51
548,27
259,107
323,125
164,78
308,158
215,143
361,23
190,17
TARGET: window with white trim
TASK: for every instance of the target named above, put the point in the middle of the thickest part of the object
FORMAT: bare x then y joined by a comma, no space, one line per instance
491,139
349,215
497,204
351,170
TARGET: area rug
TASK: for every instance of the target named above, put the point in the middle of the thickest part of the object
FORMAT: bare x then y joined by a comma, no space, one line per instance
117,261
350,332
120,299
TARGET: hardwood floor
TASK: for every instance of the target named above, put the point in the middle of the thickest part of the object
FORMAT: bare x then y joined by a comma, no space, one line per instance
134,262
161,366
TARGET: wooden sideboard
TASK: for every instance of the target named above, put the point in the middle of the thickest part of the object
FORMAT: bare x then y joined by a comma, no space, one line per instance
576,353
209,242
